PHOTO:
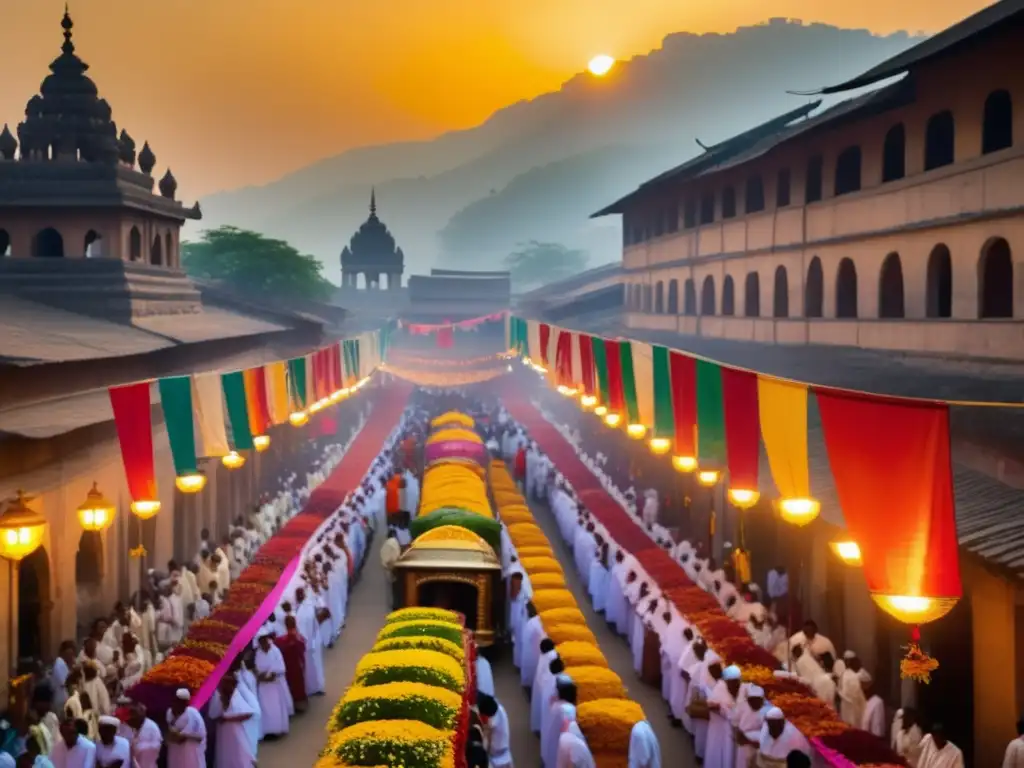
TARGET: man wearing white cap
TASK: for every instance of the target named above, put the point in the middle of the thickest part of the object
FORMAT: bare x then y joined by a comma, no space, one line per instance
186,733
112,751
747,718
275,700
73,750
644,750
779,737
701,682
851,695
722,700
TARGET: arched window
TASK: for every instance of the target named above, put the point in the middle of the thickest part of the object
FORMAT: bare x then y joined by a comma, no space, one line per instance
707,296
638,298
689,298
814,290
728,203
707,208
728,297
135,244
89,559
939,290
755,195
156,252
890,288
752,296
894,154
659,298
995,280
690,214
939,140
848,171
813,181
5,243
673,297
647,298
48,243
780,295
846,289
997,129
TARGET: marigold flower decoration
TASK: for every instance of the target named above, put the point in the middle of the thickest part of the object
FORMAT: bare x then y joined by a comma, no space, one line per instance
917,664
137,552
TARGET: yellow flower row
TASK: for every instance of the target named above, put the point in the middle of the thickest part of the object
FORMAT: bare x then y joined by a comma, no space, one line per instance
454,484
604,712
453,419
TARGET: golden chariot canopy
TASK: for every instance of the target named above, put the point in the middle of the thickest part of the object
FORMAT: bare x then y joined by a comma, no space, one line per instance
437,552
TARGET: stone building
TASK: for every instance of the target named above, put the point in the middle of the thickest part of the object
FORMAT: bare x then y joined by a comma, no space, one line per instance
372,255
878,245
92,296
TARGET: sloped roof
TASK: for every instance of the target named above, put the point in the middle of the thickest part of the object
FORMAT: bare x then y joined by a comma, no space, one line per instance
949,41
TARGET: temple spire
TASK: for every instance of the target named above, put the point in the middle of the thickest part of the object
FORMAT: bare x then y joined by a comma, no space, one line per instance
373,201
67,24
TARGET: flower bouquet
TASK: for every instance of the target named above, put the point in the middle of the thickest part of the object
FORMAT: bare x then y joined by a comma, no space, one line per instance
427,628
411,666
437,707
438,644
422,614
578,653
593,683
534,565
405,743
608,724
547,580
563,615
565,633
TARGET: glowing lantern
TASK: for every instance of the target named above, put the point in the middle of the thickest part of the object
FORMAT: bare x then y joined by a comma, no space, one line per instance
684,463
193,482
145,508
742,498
708,477
298,418
600,411
847,551
95,513
914,610
21,530
660,445
612,419
799,511
261,443
233,460
588,401
636,431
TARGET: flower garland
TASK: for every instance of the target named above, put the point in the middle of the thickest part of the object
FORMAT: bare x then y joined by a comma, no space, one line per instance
608,724
438,644
411,666
427,628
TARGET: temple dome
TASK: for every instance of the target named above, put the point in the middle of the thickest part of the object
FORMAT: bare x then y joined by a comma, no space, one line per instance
373,245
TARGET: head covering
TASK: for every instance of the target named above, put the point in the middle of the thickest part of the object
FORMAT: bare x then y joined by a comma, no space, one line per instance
183,694
774,714
563,679
849,655
113,722
755,691
731,672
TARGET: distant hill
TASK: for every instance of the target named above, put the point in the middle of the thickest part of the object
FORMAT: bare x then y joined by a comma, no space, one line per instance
536,169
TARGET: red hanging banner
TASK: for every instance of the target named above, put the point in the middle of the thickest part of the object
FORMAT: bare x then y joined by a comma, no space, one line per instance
742,428
893,473
131,406
337,381
684,403
616,387
587,364
563,359
318,383
445,337
545,337
263,399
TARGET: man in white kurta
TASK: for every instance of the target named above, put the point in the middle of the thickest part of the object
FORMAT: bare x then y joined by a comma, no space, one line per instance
275,700
679,685
532,634
230,709
484,676
938,752
186,734
495,721
573,751
748,718
720,749
542,692
779,737
74,751
644,750
851,694
309,628
873,720
112,751
560,716
144,736
1014,755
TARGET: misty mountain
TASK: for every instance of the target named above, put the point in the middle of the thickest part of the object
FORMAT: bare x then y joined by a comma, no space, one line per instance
536,169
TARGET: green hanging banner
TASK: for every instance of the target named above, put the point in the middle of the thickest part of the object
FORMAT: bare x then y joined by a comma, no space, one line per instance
601,366
664,415
297,382
176,400
238,414
357,358
351,372
629,382
710,416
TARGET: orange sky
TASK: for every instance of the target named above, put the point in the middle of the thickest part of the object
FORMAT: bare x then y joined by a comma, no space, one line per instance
235,92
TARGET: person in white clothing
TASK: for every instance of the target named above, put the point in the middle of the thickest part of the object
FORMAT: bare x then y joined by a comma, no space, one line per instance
542,692
186,733
644,750
720,749
939,752
748,718
779,737
573,751
907,735
811,640
75,751
230,709
484,676
851,694
112,751
275,699
144,736
495,721
1014,757
873,720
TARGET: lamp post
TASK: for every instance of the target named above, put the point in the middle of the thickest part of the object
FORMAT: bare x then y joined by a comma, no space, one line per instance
21,534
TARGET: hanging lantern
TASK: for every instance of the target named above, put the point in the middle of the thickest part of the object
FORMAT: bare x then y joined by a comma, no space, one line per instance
21,529
233,460
95,513
145,509
636,431
298,418
708,477
799,512
684,463
660,445
261,442
193,482
588,401
742,498
911,609
847,551
612,419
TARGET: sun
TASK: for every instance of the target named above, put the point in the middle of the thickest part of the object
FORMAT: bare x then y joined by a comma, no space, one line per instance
601,65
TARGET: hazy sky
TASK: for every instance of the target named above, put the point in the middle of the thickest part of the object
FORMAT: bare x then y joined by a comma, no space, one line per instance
235,92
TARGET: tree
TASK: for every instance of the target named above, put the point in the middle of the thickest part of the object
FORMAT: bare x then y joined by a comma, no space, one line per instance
537,263
251,263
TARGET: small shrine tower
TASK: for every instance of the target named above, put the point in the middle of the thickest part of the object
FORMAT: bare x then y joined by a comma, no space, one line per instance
372,253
